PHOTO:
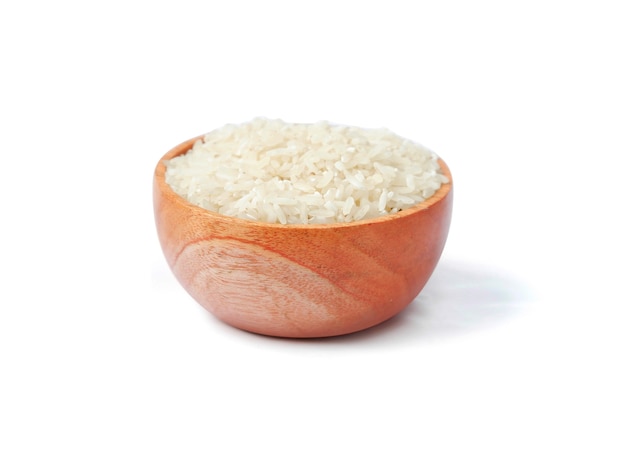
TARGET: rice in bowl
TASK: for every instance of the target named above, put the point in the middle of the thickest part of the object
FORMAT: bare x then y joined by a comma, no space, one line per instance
277,172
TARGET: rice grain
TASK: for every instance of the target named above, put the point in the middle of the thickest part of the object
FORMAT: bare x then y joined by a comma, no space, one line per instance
276,172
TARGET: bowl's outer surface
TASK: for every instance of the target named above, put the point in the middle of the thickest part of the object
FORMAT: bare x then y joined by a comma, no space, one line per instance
299,280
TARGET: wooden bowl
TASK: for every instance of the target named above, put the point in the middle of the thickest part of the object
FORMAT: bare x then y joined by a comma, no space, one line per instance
300,280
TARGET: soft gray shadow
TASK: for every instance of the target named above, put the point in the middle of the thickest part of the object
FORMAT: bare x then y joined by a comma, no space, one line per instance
459,298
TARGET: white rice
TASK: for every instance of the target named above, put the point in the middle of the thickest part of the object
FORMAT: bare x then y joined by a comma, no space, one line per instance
277,172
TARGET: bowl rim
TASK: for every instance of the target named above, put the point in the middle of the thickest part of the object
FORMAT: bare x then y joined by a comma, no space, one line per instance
182,148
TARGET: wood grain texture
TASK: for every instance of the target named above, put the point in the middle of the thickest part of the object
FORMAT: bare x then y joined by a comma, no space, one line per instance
299,280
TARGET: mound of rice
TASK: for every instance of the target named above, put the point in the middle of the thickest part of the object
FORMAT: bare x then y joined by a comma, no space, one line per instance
277,172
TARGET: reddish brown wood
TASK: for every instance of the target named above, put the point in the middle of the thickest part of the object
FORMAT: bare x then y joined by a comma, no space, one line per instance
300,280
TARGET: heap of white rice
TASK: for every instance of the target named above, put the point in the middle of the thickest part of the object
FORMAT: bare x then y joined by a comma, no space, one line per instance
277,172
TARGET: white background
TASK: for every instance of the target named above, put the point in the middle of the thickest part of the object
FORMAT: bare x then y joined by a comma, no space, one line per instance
513,355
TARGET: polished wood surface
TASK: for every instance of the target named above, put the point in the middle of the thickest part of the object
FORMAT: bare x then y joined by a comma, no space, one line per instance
300,280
